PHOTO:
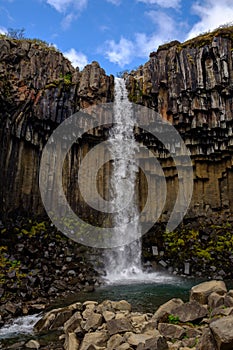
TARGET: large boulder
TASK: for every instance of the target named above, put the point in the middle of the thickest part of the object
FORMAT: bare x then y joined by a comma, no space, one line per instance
171,331
206,342
166,309
96,338
120,325
222,330
71,342
201,291
190,312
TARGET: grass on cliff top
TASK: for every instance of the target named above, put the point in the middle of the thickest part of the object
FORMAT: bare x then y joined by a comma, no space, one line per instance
35,41
225,31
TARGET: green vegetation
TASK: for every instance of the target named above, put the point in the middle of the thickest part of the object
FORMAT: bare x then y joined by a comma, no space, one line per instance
208,245
173,319
225,31
19,35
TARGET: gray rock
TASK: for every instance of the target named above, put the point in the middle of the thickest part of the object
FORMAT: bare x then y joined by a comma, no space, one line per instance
222,330
97,338
120,325
190,312
166,309
215,300
93,322
71,342
171,331
32,344
74,322
201,291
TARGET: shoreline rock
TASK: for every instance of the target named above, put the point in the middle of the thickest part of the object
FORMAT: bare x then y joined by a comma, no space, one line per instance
114,325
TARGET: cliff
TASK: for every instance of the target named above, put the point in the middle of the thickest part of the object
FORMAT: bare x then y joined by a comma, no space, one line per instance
191,86
39,88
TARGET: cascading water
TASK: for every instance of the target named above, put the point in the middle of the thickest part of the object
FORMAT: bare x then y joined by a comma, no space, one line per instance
124,262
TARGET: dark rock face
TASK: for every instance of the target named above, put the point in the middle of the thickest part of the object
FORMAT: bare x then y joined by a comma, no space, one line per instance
190,85
39,88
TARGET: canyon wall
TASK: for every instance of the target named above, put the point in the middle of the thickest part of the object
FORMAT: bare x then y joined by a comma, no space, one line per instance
190,85
39,89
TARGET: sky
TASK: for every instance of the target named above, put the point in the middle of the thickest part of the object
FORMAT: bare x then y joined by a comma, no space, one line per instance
119,34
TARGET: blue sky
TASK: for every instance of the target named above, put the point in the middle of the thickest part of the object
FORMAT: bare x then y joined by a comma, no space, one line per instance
119,34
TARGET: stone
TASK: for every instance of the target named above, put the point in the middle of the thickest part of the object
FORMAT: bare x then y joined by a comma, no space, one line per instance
71,342
108,315
206,342
201,291
135,339
166,309
190,312
72,323
33,344
228,301
93,322
115,341
122,305
119,326
222,330
98,338
124,346
171,331
215,300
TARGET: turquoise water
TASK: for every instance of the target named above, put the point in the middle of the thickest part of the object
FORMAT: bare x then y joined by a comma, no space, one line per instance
144,297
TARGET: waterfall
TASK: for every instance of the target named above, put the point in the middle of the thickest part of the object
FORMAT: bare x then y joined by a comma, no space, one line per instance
124,262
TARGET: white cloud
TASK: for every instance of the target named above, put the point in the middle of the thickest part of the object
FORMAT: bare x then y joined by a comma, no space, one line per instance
163,3
212,14
114,2
63,5
78,59
120,53
123,52
3,30
67,20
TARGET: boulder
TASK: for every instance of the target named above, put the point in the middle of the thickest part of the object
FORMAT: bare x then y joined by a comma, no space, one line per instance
120,325
93,322
206,341
171,331
201,291
115,341
222,330
74,322
108,315
71,342
122,305
135,339
98,338
32,344
190,312
215,300
166,309
155,343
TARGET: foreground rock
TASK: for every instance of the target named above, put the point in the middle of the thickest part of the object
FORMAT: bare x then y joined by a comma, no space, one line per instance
115,326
